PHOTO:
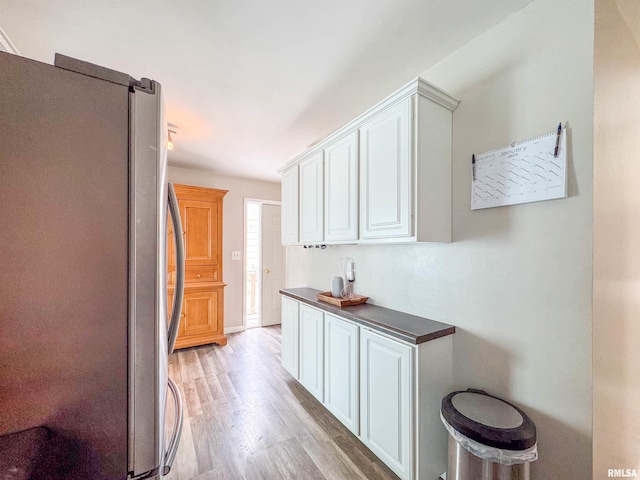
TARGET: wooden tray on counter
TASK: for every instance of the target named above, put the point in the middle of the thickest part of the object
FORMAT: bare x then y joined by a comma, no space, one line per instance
341,302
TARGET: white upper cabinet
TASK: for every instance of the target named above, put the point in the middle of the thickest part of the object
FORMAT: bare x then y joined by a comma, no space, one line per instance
341,189
386,174
312,199
386,204
290,206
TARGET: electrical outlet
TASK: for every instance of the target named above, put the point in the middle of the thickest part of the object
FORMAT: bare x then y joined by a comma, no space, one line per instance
235,255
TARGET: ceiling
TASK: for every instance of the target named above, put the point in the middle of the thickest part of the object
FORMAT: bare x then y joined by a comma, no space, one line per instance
250,83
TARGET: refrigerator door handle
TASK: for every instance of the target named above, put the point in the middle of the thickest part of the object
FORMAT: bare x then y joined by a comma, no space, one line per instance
170,454
179,289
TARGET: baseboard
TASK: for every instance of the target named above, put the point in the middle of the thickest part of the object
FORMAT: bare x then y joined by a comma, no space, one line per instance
239,328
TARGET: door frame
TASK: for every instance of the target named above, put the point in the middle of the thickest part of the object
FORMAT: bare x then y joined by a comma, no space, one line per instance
262,202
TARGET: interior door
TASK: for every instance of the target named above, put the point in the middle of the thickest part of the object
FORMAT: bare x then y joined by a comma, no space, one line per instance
272,265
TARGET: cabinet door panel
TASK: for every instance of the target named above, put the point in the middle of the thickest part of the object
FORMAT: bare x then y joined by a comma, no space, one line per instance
201,241
202,319
312,199
289,338
200,313
385,400
290,205
341,189
312,350
171,254
341,371
386,206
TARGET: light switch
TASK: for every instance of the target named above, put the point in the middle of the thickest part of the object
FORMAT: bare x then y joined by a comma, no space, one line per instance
235,255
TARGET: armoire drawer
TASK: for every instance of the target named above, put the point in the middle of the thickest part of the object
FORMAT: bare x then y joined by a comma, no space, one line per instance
205,273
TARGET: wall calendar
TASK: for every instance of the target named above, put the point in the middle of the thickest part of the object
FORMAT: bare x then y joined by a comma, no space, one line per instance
527,171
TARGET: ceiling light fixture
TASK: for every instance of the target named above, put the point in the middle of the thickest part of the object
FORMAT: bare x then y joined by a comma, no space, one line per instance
170,140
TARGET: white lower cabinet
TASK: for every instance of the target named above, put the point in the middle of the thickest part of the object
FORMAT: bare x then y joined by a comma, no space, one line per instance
385,399
341,371
312,350
290,324
386,391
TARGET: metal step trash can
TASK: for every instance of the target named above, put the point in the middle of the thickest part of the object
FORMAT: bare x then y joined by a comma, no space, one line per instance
489,438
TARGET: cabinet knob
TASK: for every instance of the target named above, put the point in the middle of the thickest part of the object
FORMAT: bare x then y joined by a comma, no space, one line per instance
197,275
267,271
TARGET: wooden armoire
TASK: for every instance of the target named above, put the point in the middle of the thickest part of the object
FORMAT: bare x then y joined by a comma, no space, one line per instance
202,319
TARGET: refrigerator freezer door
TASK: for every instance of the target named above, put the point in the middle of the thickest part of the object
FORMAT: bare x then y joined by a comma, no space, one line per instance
147,284
64,255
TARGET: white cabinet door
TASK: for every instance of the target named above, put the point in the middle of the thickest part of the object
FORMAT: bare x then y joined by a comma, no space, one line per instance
290,206
290,324
386,206
312,350
312,199
341,370
341,189
385,400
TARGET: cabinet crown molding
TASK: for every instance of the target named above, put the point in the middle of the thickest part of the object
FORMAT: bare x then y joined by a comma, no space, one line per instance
6,45
417,86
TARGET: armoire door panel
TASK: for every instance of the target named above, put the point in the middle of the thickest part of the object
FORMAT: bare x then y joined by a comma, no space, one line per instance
200,312
200,239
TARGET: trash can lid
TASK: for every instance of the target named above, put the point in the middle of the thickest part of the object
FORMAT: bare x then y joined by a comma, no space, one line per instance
488,420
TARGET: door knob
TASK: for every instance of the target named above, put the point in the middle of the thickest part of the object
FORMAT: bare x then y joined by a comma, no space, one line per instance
267,271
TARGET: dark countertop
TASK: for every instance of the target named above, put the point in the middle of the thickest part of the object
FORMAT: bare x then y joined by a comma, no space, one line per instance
404,326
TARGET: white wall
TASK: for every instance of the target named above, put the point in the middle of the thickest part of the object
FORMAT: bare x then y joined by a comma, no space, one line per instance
616,240
516,281
233,226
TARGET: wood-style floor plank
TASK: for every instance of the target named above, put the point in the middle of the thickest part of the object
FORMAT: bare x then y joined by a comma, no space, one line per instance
246,418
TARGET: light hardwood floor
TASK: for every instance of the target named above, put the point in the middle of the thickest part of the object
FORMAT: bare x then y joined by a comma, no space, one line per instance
247,418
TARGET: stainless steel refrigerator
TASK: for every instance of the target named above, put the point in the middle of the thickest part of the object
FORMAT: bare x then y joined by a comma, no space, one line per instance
84,331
